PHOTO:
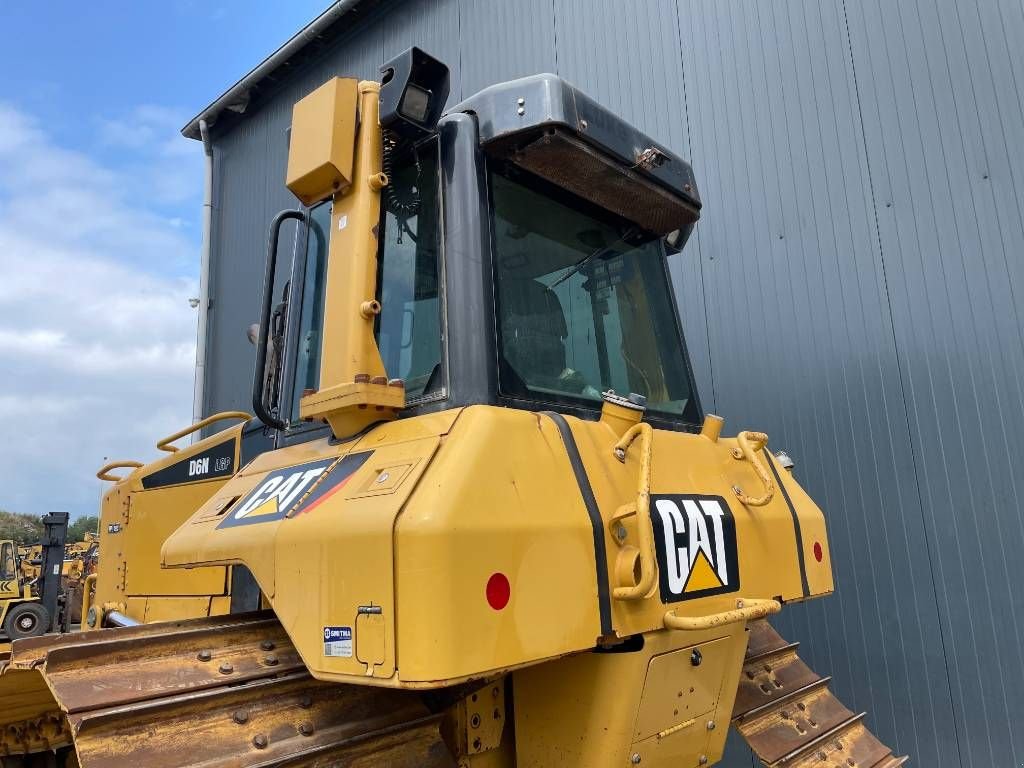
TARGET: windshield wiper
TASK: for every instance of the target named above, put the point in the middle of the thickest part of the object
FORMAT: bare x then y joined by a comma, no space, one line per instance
603,251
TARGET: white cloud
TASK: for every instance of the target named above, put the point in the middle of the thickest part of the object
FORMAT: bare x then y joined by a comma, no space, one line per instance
97,339
165,166
146,127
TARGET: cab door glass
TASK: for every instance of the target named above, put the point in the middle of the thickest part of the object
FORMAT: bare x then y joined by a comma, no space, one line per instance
408,328
310,314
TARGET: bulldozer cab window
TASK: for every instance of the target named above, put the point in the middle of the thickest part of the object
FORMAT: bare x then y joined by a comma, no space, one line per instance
8,566
584,302
310,315
408,328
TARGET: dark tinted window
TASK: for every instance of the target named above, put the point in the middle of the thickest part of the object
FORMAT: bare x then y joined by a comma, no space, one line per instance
408,329
583,302
310,315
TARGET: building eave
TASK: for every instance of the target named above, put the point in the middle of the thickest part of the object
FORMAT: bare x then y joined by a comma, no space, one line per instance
237,98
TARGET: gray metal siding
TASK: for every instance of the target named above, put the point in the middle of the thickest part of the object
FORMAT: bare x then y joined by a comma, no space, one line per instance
854,288
941,104
801,340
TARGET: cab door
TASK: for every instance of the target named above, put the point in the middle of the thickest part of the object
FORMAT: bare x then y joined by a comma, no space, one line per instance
300,359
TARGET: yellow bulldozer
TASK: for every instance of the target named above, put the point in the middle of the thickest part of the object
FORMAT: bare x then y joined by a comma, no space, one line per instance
143,507
137,513
495,528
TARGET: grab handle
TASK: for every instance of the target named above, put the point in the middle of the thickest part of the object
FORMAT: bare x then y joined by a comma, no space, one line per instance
165,444
641,508
258,405
87,595
745,610
750,445
104,472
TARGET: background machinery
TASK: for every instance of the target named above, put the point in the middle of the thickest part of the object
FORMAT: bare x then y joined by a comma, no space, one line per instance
80,559
473,544
127,586
32,606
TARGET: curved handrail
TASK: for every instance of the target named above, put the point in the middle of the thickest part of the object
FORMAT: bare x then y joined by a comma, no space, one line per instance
745,610
648,562
165,443
104,471
750,445
87,596
260,407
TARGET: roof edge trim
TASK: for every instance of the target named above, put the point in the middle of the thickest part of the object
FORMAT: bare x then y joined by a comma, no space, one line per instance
236,98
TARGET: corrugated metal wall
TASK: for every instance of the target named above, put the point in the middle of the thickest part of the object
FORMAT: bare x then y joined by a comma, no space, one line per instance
855,288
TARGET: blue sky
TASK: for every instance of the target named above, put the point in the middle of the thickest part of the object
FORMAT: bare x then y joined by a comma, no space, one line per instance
100,202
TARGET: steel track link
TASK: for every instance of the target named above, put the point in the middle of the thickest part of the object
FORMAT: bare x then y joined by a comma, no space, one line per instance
222,692
232,691
790,719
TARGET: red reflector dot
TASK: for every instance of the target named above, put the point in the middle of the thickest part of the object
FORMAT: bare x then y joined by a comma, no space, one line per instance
498,591
818,554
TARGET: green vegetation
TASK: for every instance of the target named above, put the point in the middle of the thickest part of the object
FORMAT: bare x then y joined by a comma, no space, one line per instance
23,529
82,526
26,530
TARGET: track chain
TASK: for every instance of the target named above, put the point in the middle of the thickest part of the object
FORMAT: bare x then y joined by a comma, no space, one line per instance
790,719
224,692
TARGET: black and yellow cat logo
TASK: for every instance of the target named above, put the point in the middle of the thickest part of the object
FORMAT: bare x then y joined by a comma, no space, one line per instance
294,490
6,586
695,539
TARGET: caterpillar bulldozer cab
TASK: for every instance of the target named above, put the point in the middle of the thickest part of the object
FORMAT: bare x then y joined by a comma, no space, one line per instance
496,527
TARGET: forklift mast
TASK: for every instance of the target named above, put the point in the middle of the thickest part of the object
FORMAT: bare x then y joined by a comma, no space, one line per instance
55,534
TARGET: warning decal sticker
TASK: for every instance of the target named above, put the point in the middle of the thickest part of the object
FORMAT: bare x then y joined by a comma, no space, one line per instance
695,540
294,490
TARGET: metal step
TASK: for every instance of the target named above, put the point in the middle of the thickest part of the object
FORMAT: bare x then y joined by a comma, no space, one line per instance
790,719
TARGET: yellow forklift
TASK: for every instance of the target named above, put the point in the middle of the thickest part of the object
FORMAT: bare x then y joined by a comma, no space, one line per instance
496,528
32,607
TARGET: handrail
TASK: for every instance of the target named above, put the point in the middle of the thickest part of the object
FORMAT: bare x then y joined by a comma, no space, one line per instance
642,510
165,444
745,610
750,445
87,595
104,471
260,407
